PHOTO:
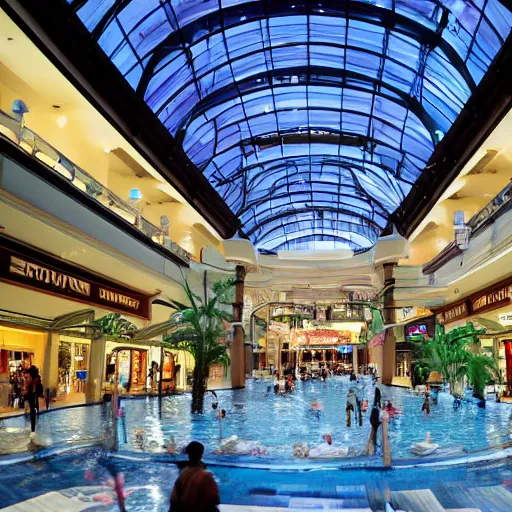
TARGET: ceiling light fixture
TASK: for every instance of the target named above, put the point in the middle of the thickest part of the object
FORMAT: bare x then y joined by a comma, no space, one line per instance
107,150
62,121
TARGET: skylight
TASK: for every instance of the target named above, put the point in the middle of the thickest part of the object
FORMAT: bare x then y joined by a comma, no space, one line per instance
312,120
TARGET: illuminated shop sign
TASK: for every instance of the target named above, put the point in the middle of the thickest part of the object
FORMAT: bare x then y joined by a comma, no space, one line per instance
25,266
493,297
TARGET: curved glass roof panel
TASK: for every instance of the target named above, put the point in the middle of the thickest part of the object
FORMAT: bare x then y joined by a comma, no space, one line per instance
313,120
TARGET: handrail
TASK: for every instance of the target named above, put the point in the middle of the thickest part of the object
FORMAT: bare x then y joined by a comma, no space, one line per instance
497,206
38,148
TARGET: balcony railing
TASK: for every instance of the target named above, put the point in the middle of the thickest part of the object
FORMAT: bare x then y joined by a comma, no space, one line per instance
495,208
34,145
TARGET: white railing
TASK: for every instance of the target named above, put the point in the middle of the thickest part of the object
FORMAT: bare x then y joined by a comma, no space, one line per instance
38,148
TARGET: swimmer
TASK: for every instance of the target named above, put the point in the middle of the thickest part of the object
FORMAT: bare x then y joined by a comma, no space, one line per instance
171,446
391,409
139,435
220,416
316,408
425,448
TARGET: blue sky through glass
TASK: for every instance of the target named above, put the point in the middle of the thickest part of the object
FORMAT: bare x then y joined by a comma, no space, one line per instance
313,120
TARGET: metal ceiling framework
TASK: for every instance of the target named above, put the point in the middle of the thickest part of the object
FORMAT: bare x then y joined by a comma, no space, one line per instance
313,120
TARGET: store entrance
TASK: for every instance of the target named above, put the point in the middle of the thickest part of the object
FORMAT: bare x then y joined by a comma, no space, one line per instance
128,366
74,356
339,360
19,350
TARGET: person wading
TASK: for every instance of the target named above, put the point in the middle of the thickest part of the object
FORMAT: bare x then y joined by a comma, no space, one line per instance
195,490
34,389
375,421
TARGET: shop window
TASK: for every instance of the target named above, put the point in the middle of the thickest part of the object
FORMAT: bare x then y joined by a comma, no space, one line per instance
403,364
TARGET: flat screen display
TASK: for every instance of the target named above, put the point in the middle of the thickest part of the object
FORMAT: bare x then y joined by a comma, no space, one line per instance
416,330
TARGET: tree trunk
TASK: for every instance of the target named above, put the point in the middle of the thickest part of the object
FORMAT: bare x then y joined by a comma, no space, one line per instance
198,389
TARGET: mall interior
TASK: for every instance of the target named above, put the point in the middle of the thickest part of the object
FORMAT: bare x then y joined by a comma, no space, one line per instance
329,181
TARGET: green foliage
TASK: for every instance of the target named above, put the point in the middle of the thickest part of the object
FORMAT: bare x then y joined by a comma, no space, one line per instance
479,372
457,354
225,290
64,358
198,330
113,326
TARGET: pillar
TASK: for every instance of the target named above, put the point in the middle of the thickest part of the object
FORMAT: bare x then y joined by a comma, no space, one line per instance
96,371
50,371
389,348
376,355
355,359
237,347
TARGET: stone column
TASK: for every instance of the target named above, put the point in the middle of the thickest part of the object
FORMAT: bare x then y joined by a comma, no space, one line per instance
389,349
237,347
96,371
50,370
355,359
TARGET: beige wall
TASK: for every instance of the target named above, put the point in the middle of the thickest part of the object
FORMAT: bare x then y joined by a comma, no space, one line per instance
12,339
26,74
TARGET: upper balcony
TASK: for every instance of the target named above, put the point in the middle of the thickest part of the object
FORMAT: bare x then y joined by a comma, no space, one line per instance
67,172
499,205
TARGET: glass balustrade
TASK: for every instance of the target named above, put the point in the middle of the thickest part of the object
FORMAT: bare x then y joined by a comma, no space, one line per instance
34,145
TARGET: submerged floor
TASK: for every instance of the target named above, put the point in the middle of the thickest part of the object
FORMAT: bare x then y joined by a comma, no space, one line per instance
484,486
277,481
278,422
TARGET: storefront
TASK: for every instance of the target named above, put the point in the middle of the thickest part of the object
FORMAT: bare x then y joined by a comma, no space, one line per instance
335,348
58,346
74,354
409,336
490,308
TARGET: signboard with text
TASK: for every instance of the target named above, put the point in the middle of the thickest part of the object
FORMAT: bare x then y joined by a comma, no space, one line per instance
22,265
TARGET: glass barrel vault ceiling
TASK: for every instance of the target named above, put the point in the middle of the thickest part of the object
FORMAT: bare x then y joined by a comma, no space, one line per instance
312,120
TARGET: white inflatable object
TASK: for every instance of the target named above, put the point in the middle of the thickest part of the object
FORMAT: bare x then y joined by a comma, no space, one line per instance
423,449
234,446
326,451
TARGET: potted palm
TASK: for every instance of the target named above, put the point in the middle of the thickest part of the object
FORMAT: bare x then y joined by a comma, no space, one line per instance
479,373
200,329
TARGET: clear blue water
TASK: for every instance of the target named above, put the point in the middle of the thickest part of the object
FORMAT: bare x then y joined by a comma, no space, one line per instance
149,484
278,422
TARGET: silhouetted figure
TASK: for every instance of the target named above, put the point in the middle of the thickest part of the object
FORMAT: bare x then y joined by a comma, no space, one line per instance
375,421
34,389
195,490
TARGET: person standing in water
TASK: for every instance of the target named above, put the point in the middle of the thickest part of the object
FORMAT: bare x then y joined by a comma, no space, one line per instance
426,404
34,389
375,421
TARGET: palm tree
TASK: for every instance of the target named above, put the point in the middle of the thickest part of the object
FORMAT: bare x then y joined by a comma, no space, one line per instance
479,372
199,329
450,354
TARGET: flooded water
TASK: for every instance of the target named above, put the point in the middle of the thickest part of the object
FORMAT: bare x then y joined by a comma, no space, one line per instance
277,422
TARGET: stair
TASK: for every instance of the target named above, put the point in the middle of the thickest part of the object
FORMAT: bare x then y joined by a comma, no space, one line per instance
300,497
